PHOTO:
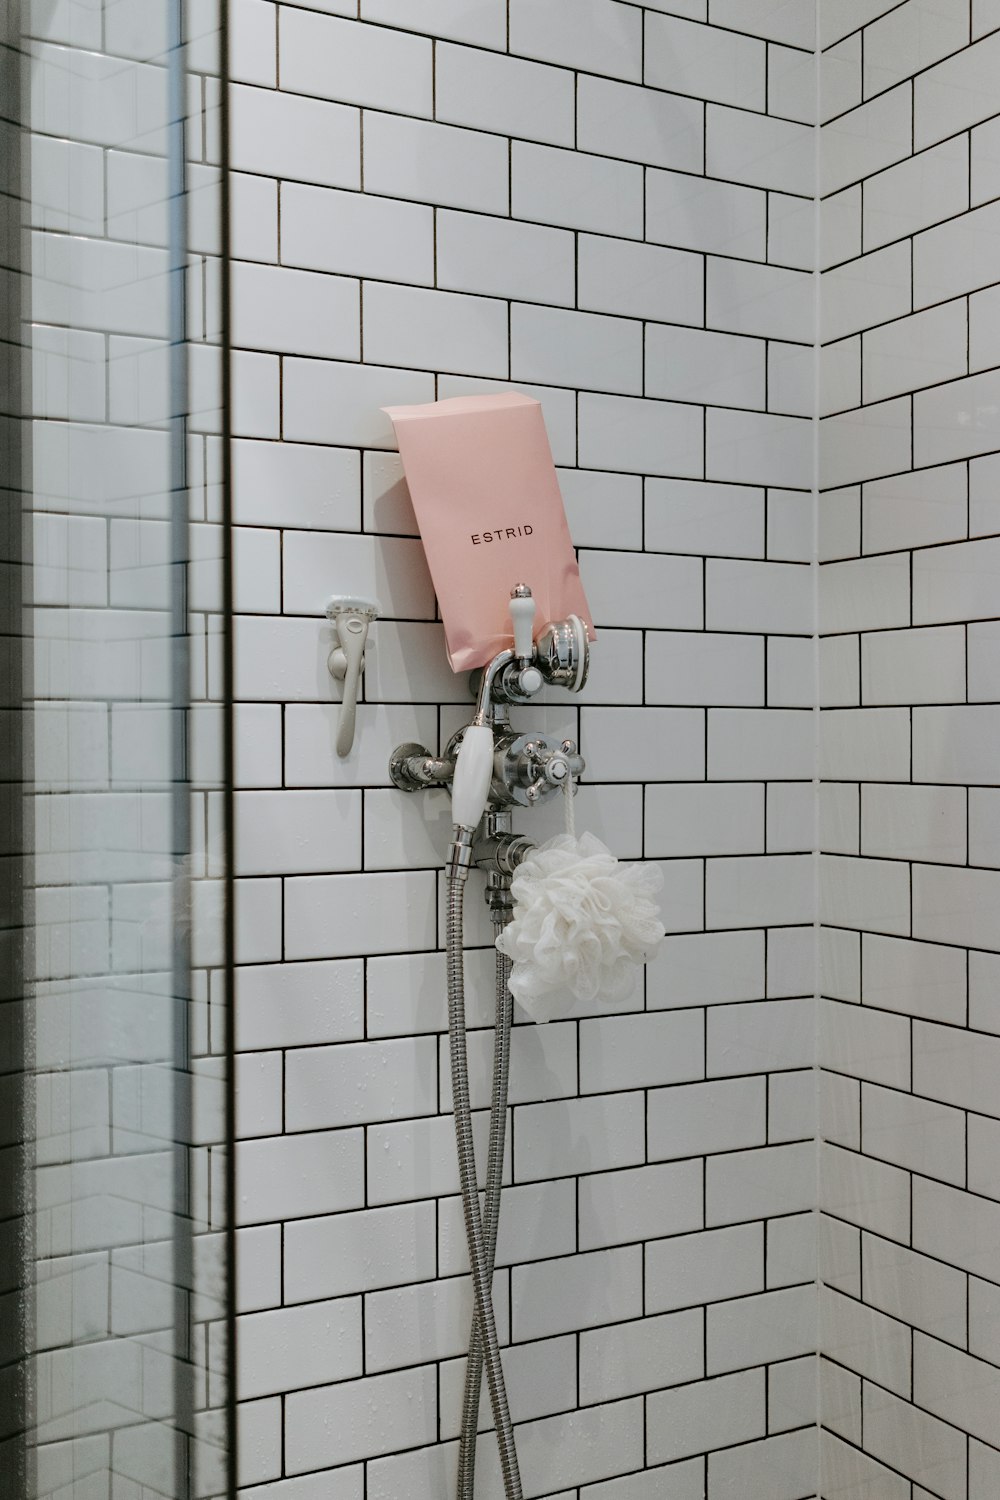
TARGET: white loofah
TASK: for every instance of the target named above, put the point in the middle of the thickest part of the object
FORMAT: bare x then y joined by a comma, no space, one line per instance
583,923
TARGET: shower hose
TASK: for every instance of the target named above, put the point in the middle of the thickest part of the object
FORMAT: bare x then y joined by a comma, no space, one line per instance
480,1226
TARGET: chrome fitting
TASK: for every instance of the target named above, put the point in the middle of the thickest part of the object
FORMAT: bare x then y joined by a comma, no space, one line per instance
412,768
499,899
562,653
501,853
459,858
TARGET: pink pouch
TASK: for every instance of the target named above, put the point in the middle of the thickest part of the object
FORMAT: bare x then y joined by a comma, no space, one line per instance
487,501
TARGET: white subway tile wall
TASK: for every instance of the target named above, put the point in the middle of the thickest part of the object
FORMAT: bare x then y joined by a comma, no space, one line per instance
592,201
910,1367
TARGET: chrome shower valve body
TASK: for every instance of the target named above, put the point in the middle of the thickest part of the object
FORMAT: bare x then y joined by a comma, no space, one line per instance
487,764
529,767
526,767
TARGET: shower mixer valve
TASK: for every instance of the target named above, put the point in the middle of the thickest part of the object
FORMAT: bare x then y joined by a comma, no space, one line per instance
488,764
528,767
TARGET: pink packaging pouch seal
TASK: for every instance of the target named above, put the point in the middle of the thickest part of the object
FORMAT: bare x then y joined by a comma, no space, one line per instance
487,501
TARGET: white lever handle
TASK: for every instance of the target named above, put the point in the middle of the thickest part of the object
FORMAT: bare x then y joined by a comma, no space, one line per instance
522,615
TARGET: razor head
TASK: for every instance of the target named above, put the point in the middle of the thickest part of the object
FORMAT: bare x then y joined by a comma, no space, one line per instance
352,604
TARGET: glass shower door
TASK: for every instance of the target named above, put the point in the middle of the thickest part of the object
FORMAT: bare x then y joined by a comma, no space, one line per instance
117,1173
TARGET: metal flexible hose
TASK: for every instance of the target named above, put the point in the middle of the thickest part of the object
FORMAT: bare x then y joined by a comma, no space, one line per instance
479,1258
491,1212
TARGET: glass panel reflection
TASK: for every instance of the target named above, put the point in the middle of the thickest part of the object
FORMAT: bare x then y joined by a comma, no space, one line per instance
114,884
